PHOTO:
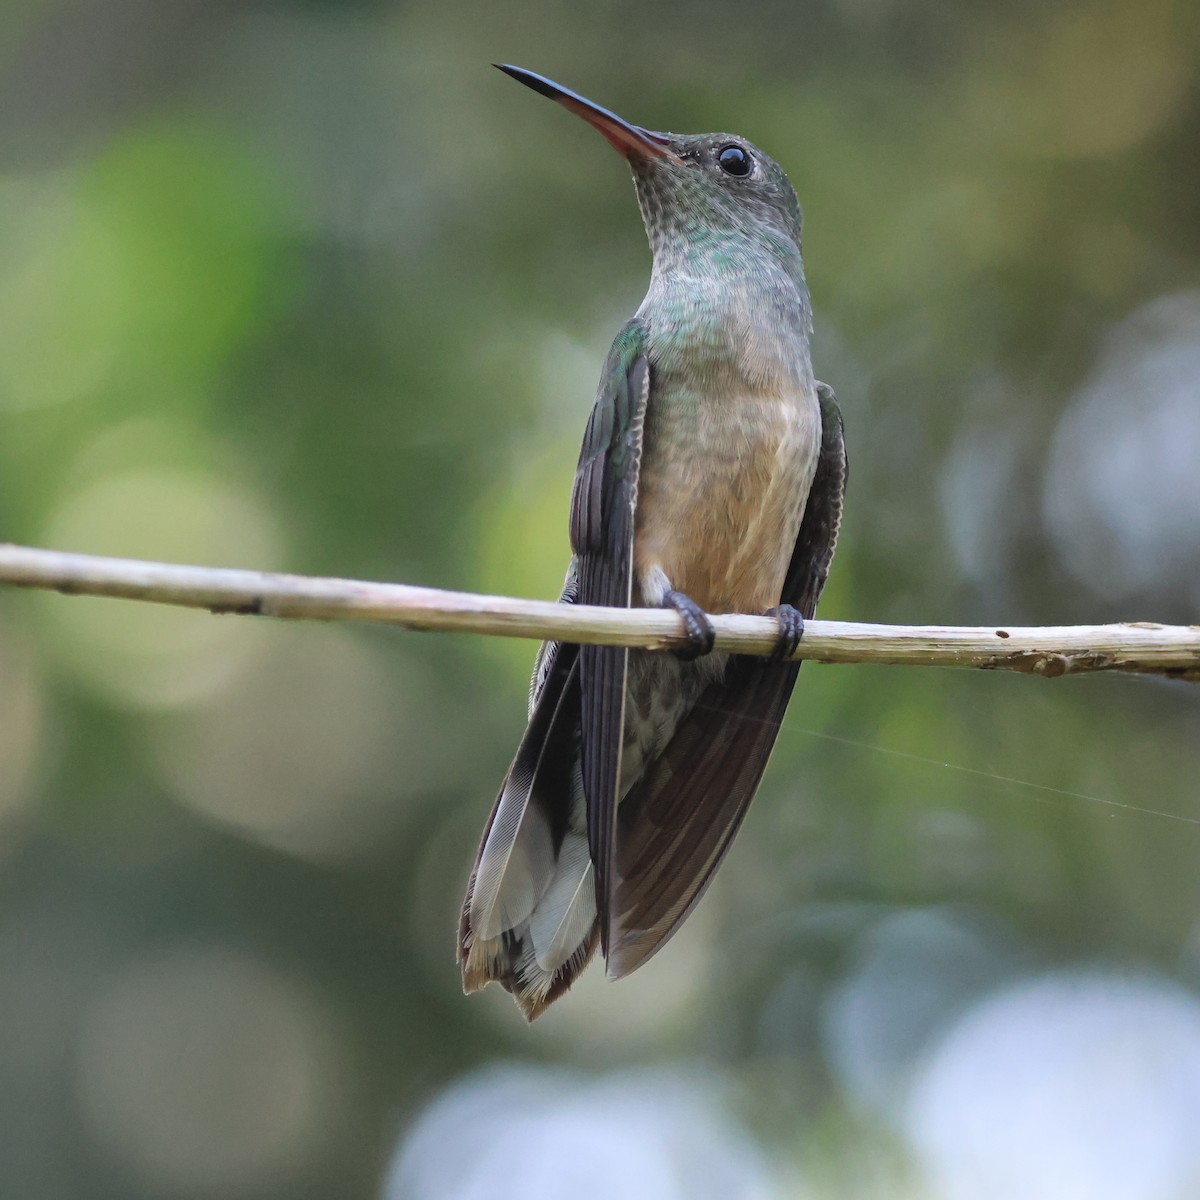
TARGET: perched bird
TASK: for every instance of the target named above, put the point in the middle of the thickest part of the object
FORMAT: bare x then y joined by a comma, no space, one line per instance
710,481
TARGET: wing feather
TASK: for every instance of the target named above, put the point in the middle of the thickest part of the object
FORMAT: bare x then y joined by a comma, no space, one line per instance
603,508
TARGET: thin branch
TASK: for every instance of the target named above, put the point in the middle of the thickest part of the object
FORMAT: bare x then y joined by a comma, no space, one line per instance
1172,650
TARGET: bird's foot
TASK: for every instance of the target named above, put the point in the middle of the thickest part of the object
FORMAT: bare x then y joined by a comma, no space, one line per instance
697,626
791,630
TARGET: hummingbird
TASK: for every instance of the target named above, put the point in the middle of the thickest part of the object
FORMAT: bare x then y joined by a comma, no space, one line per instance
710,480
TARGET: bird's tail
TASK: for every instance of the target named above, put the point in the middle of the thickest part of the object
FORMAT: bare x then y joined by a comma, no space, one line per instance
529,917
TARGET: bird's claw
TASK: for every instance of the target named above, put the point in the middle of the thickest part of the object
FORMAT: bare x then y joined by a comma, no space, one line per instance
791,630
696,625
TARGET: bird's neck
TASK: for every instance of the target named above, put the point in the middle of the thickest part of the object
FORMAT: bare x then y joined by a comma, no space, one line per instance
730,309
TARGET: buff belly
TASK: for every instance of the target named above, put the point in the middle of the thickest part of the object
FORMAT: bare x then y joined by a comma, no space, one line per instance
720,500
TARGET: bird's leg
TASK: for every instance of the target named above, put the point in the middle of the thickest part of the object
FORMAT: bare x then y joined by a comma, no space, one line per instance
697,626
791,630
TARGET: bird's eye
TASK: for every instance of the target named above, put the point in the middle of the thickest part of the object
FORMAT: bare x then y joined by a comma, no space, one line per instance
734,160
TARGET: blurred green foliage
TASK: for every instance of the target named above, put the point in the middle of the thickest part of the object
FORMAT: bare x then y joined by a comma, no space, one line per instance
309,286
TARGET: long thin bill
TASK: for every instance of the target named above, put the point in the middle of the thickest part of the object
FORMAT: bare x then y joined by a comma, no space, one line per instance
625,138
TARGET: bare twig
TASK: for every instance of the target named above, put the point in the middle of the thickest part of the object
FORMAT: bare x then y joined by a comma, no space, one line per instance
1172,650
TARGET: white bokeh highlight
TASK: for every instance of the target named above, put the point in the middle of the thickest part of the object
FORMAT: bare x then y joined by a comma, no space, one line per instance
910,974
528,1133
1122,485
1080,1086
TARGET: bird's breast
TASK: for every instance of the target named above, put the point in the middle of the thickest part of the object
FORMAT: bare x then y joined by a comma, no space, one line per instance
724,480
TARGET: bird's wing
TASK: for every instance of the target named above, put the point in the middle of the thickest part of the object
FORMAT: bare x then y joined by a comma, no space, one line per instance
676,824
603,505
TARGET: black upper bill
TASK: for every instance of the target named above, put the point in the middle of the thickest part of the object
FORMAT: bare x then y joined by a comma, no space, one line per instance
622,136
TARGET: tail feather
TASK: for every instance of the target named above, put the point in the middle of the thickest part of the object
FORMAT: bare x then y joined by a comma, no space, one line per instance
516,860
568,909
529,918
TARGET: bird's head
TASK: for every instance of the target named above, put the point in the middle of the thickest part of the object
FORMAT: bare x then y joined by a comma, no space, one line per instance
705,186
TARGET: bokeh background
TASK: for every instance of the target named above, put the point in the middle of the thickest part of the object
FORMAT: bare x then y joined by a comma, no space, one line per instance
310,286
